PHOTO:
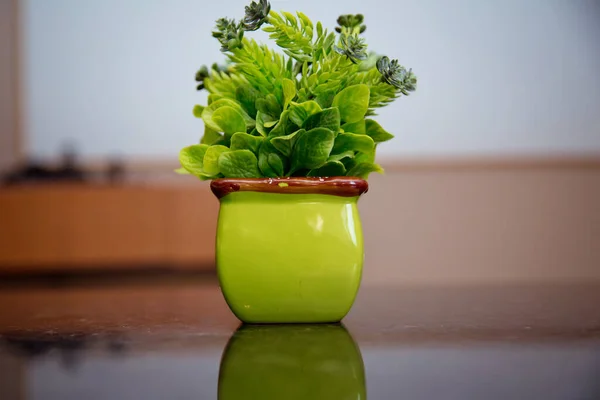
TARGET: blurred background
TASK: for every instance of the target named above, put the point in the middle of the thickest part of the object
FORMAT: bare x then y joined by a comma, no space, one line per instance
494,174
492,182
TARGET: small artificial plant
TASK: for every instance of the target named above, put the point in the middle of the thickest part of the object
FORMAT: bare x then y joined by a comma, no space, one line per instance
301,114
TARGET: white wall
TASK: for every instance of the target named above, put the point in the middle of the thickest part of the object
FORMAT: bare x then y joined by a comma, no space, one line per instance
496,77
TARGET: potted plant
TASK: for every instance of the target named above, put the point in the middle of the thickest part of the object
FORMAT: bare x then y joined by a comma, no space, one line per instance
288,144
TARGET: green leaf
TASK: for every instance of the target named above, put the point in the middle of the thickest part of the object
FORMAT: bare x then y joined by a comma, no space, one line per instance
208,112
285,144
312,149
192,158
329,40
213,97
211,159
328,118
223,141
325,99
351,141
290,17
289,92
368,157
269,105
262,120
341,156
182,171
239,164
260,123
247,96
376,132
276,163
263,160
295,39
349,162
299,112
359,158
210,136
198,111
363,170
355,127
353,102
229,120
284,126
331,168
244,141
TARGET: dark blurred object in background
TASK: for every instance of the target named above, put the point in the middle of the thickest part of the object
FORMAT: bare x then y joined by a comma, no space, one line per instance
68,170
35,172
115,172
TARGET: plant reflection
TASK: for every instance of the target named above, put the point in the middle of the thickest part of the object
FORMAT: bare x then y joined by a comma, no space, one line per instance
291,362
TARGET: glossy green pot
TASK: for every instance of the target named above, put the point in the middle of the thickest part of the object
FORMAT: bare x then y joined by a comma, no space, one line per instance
292,362
289,250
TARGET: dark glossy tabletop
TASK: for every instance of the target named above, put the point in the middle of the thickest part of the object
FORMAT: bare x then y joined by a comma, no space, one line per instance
174,338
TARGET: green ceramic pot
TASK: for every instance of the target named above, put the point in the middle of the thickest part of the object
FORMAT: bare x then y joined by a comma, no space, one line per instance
289,250
292,362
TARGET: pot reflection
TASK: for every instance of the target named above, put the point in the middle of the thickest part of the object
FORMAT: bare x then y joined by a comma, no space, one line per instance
292,362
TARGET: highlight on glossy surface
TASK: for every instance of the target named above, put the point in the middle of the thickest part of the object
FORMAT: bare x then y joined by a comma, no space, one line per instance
337,186
291,362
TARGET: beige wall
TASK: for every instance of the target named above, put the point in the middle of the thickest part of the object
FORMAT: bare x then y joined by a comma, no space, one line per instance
8,120
439,224
483,225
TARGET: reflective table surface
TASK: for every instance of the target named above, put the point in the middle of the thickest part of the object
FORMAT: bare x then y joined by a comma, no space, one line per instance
174,338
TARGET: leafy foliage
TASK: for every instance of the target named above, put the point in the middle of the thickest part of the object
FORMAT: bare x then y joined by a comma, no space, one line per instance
293,34
300,113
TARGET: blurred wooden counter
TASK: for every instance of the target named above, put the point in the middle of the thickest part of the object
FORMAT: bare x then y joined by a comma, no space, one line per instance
106,226
423,223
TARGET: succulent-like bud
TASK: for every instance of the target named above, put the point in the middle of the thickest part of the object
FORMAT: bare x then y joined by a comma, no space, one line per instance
256,15
396,75
352,22
353,47
228,33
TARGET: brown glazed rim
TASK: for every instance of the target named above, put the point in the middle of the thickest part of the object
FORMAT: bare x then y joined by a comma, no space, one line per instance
344,186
